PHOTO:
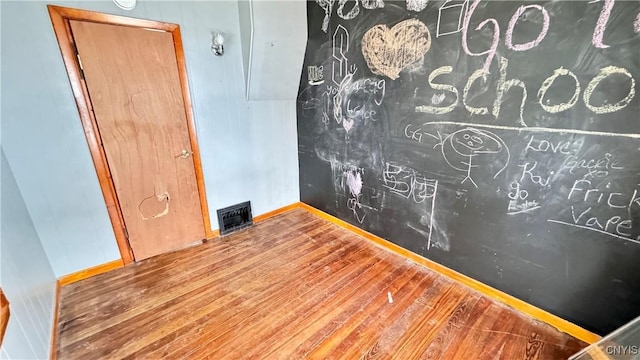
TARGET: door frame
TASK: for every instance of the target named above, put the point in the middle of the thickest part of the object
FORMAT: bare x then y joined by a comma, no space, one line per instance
60,17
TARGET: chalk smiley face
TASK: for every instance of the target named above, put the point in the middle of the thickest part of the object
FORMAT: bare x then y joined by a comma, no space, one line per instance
468,148
473,141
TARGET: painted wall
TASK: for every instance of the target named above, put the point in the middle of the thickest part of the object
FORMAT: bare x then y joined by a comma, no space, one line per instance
25,276
248,149
274,56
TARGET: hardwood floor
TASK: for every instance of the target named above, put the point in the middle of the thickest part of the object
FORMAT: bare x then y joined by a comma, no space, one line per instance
292,287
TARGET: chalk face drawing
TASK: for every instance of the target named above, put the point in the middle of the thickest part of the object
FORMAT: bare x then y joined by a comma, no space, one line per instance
388,51
466,149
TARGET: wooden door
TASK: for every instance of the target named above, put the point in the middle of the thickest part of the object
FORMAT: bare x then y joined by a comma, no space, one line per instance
132,77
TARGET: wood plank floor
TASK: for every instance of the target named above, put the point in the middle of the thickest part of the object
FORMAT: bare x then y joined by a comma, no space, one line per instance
292,287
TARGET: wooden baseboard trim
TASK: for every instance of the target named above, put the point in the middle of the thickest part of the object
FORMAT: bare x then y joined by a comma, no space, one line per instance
265,216
520,305
87,273
275,212
214,234
53,350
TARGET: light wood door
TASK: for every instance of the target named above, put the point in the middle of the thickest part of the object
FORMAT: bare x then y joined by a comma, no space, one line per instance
133,81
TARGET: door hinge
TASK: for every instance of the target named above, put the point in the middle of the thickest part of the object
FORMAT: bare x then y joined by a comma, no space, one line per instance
80,66
80,61
126,235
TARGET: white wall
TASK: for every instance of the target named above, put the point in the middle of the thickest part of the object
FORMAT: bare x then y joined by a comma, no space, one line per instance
25,276
273,49
248,149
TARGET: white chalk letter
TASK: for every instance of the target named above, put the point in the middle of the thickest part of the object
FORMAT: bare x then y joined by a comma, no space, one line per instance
554,109
435,109
609,108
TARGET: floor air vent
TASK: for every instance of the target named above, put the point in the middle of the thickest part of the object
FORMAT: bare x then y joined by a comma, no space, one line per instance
235,217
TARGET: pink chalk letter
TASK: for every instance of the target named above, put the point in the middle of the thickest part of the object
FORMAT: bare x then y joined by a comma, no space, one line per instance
512,24
601,24
496,35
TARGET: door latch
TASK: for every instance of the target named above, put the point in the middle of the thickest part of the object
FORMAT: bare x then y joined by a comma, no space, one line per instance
185,154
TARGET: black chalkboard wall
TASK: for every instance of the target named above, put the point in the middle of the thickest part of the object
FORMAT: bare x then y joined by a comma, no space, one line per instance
500,139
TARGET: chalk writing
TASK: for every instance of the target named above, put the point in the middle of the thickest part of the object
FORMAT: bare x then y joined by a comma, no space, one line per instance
373,86
514,20
333,98
596,229
315,75
518,202
601,24
465,92
614,223
354,183
546,84
342,168
439,109
413,134
327,6
451,8
416,134
584,190
528,169
340,47
465,33
355,10
504,84
407,183
389,51
372,4
411,185
591,209
307,100
597,41
594,168
556,147
353,100
609,108
417,5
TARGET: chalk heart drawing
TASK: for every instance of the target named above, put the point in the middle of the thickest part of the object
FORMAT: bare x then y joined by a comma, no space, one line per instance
389,51
348,124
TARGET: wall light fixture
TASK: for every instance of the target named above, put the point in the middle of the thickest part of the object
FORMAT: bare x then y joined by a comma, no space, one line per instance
217,44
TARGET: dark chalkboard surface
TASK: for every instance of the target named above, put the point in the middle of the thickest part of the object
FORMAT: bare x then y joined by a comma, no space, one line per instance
500,139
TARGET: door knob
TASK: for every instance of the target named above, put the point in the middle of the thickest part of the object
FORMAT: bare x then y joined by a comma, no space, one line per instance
185,154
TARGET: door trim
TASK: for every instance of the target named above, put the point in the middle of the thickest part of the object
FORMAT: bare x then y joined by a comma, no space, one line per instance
60,17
